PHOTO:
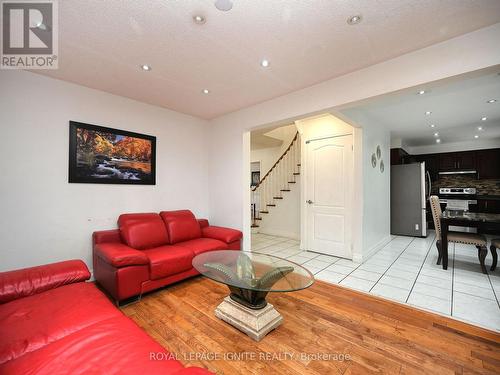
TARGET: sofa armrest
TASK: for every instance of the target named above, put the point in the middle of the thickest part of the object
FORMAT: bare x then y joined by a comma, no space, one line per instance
28,281
226,235
120,255
203,223
105,236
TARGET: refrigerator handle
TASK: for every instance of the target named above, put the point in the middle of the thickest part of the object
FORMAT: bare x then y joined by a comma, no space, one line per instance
429,184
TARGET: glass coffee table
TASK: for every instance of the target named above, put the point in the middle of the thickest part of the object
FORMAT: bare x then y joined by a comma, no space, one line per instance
250,277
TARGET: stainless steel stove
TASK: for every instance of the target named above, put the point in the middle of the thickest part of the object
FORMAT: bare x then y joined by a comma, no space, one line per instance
458,199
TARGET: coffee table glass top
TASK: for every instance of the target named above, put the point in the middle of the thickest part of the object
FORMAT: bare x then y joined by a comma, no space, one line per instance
253,271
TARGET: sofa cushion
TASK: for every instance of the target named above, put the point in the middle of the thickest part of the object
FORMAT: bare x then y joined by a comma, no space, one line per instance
125,219
200,245
168,260
30,323
112,346
144,234
181,225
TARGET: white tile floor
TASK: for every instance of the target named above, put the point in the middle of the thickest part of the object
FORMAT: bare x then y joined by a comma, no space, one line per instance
405,270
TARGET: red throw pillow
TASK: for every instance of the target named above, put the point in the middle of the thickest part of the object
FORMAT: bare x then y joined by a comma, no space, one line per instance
145,234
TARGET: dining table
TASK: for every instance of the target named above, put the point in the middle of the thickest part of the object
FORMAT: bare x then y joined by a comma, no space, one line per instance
481,220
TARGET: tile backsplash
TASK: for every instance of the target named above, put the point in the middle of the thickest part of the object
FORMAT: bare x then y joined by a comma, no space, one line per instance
483,187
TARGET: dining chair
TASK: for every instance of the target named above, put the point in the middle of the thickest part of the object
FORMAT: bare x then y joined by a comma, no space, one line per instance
495,244
477,240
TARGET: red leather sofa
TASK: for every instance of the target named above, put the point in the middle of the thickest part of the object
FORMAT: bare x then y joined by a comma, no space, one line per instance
53,322
150,250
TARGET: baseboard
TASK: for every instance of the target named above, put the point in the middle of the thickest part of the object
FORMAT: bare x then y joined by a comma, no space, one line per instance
280,233
379,245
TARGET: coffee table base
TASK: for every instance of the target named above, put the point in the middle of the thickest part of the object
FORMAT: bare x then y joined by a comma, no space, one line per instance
255,323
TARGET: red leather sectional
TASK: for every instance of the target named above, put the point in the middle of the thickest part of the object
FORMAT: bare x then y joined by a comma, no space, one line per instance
150,250
53,322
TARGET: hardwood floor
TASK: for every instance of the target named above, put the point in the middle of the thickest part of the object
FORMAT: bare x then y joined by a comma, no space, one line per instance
379,336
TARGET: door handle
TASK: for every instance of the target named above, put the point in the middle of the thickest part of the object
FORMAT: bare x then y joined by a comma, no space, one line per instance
309,201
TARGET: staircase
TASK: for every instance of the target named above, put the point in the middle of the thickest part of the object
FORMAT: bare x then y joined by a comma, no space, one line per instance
276,183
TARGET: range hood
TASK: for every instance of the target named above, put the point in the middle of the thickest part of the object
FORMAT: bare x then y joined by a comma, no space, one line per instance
460,172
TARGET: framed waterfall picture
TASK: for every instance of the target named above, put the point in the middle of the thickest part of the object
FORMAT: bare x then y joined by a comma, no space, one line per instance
99,155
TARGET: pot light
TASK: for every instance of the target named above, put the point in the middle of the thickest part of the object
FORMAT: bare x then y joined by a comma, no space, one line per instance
436,134
146,67
484,118
265,63
205,91
432,125
476,136
421,92
199,19
480,128
491,101
438,140
224,5
354,20
428,113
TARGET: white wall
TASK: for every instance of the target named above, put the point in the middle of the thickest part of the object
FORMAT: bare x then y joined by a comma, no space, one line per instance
43,217
229,153
376,189
266,156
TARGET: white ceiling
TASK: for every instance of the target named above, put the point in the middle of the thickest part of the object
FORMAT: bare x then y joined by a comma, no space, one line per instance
457,106
103,44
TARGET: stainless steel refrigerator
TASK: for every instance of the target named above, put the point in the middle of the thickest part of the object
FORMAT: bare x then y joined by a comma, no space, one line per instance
409,186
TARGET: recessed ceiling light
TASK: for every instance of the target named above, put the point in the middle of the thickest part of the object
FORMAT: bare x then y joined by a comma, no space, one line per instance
436,134
428,113
432,125
145,67
354,20
224,5
206,91
484,118
265,63
421,92
480,128
199,19
476,136
491,101
438,140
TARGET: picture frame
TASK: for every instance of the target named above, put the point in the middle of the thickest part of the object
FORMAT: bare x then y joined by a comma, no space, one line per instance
102,155
255,179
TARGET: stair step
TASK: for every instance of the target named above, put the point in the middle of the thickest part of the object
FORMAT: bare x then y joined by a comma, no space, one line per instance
270,205
291,182
254,226
277,197
285,190
264,212
298,165
296,173
258,218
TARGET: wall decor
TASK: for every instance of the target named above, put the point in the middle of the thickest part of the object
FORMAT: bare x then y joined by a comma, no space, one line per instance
374,160
110,156
379,153
255,178
382,166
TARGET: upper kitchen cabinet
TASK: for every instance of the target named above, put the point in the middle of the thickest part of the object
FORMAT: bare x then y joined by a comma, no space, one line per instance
488,163
456,161
431,164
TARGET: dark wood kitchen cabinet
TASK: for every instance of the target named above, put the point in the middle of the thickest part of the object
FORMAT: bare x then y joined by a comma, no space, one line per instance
488,163
431,164
455,161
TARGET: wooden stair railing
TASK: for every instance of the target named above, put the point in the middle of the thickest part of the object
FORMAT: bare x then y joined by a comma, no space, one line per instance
276,181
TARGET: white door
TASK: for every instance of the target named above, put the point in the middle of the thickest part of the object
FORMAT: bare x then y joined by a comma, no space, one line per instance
329,194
